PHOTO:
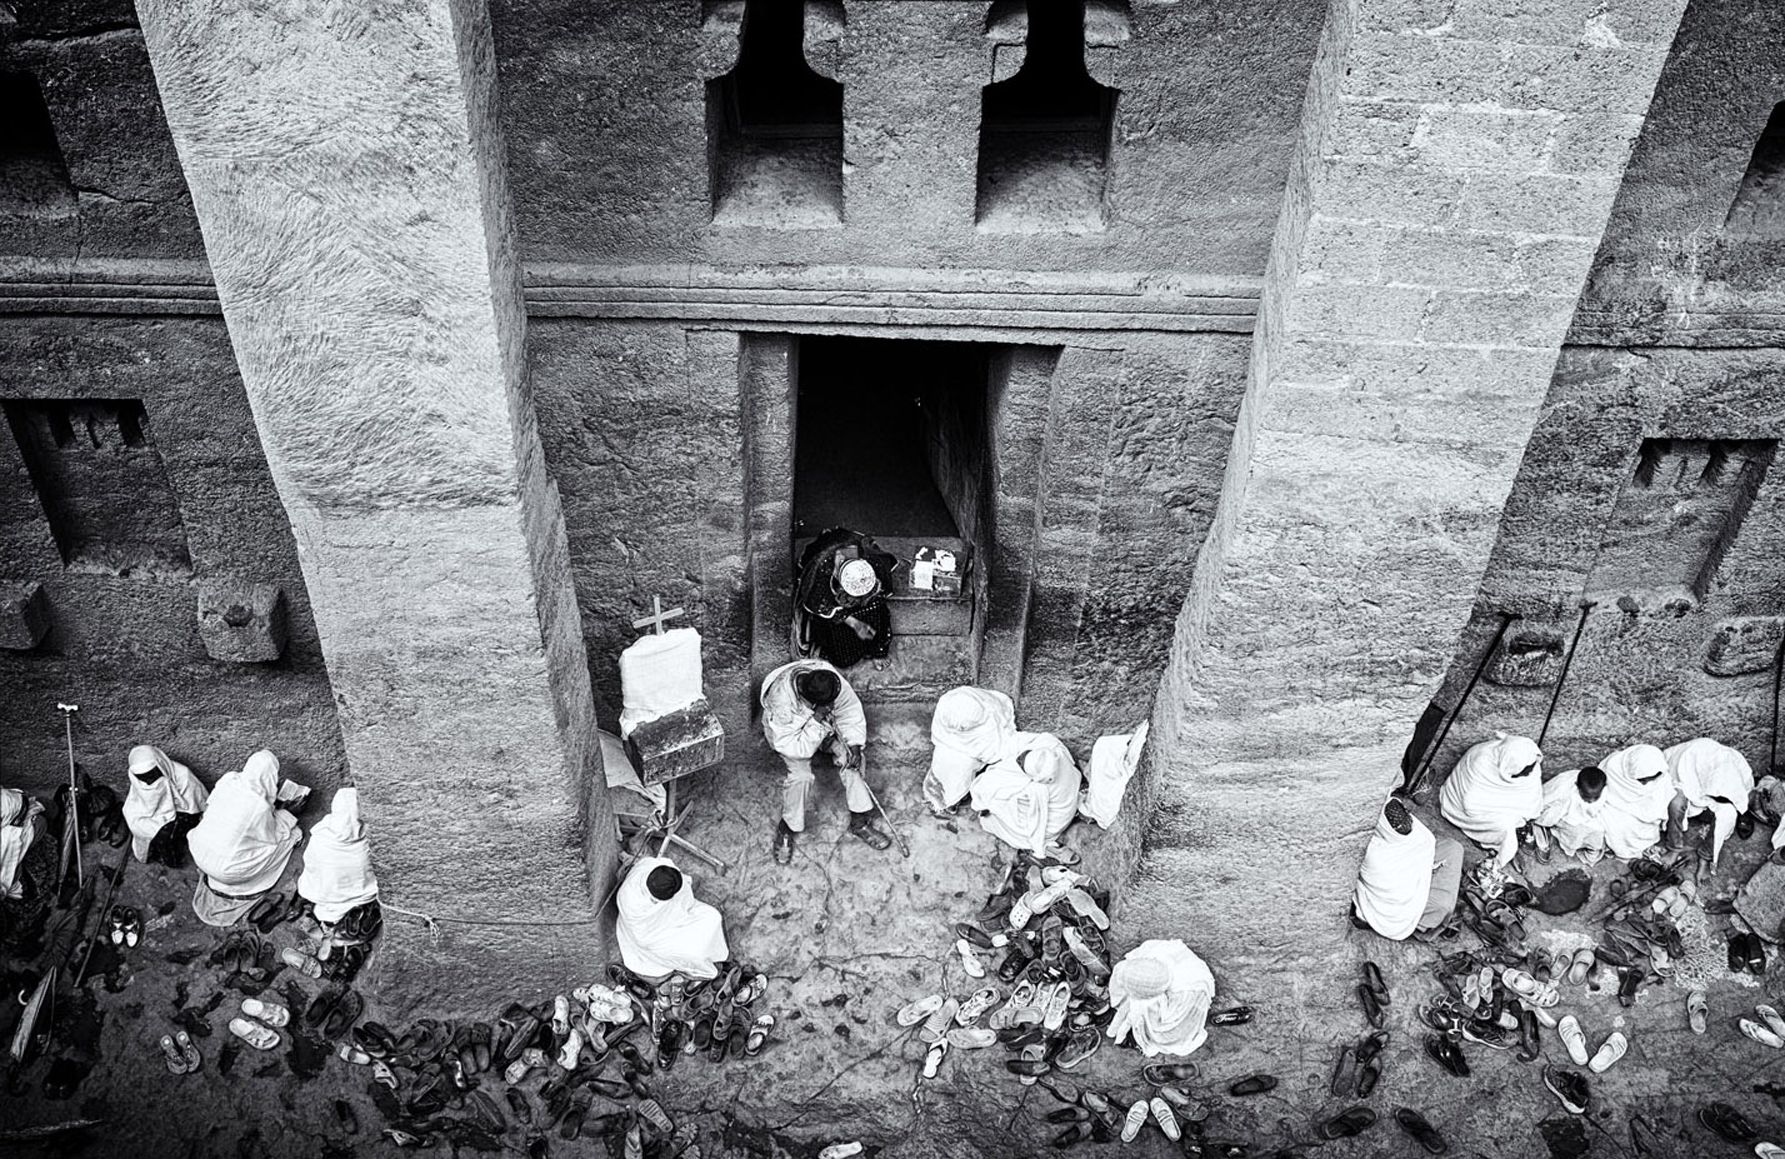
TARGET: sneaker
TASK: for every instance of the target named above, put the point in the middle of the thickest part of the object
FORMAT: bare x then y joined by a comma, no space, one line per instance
1568,1030
1609,1052
977,1004
1568,1086
1137,1118
1486,1034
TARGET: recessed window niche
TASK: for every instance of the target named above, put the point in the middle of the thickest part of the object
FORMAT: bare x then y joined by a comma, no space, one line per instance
1044,132
102,485
33,177
1759,208
774,124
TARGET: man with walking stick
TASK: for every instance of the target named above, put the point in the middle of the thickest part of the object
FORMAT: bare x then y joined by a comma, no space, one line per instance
809,709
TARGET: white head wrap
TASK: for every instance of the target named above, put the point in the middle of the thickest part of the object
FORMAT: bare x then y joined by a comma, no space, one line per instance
1161,992
1638,791
971,728
337,874
1714,777
243,843
148,807
1487,798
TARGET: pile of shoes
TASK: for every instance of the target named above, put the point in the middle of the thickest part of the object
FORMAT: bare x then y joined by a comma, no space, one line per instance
713,1016
336,952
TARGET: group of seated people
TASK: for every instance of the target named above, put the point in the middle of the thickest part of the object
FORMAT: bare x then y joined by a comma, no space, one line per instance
1631,801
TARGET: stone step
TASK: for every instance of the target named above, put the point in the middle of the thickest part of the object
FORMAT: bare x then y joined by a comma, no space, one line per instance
917,669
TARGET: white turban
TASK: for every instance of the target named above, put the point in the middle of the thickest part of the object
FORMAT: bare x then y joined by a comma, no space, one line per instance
151,805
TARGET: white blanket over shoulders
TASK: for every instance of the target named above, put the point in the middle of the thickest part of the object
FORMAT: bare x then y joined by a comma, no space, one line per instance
1485,797
337,874
1162,992
788,722
971,729
1111,767
244,843
1577,826
1713,778
1030,795
1638,791
148,807
1395,881
18,831
662,937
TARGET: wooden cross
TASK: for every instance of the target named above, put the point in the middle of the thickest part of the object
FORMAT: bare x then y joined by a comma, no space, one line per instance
658,616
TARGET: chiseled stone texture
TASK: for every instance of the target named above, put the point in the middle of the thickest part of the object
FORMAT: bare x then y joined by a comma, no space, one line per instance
24,615
242,622
1432,244
345,168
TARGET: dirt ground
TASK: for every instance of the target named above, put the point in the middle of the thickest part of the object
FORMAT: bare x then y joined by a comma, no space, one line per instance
846,935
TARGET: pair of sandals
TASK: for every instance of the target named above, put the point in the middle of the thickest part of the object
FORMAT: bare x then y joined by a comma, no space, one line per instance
180,1053
334,1012
124,926
270,911
241,952
1747,954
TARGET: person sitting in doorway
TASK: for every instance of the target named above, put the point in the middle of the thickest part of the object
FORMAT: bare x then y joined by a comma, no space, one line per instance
1409,879
662,929
1573,815
1708,777
1494,791
246,839
1638,794
1029,795
808,708
840,612
972,728
163,792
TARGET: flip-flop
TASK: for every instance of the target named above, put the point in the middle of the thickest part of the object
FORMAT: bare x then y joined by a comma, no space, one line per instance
173,1056
758,1034
915,1012
932,1061
1349,1122
254,1034
271,1013
194,1060
1256,1084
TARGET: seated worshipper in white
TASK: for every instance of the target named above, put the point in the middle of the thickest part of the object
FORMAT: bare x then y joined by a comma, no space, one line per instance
162,791
1409,879
972,728
1161,993
807,709
21,829
1573,815
662,930
337,876
1708,777
1638,793
245,840
1029,796
1494,791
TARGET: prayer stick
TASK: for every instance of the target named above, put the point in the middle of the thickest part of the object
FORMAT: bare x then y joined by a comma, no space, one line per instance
1778,670
1431,753
1567,662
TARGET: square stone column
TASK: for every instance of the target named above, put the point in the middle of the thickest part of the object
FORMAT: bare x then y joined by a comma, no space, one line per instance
346,164
1457,166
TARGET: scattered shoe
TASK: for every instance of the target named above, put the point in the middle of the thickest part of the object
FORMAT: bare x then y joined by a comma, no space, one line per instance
1569,1031
1568,1086
1761,1034
937,1024
1080,1045
1610,1051
1372,1009
1256,1084
783,847
973,1038
1727,1123
303,963
977,1004
969,960
1137,1118
1772,1019
271,1013
1695,1011
913,1013
1416,1125
932,1061
1447,1055
1233,1016
1158,1074
1164,1116
254,1034
1345,1124
1581,965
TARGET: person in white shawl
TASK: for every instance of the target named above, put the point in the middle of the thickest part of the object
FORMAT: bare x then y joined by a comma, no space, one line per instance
1638,792
1709,777
245,840
337,875
1029,796
971,728
19,830
160,790
662,929
1161,993
808,708
1494,790
1409,879
1573,814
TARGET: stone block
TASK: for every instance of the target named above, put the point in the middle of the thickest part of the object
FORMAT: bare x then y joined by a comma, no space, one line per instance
241,622
674,745
1509,140
1508,319
1744,644
24,615
1528,657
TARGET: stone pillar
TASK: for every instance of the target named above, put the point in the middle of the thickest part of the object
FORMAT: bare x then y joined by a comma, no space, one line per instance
1457,167
346,164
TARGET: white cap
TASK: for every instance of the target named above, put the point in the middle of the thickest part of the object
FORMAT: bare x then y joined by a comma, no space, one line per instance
856,577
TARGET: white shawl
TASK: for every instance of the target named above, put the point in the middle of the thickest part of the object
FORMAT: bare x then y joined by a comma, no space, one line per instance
1635,811
18,830
971,728
337,873
661,937
1395,881
1578,826
1487,800
1712,776
788,722
150,806
243,842
1030,795
1111,767
1161,991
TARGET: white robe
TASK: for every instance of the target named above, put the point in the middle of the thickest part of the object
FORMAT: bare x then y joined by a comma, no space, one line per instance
1111,767
150,806
243,843
1712,777
337,873
971,728
1173,1021
1030,795
1577,826
18,831
1395,880
1485,799
1634,811
789,723
662,937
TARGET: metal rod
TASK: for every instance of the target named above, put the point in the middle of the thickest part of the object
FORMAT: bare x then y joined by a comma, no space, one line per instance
74,792
904,849
1567,663
1778,670
1426,758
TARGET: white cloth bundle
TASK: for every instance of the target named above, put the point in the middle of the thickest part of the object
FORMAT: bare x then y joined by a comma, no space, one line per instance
619,772
1712,776
971,728
18,832
1161,991
150,806
1638,791
661,937
243,843
1111,767
1487,799
788,721
1395,881
1031,794
1578,826
659,674
337,873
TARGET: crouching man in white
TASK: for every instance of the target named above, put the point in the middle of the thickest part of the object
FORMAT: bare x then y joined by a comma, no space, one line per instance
807,709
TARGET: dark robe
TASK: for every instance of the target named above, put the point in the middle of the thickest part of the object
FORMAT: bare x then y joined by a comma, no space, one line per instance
820,606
